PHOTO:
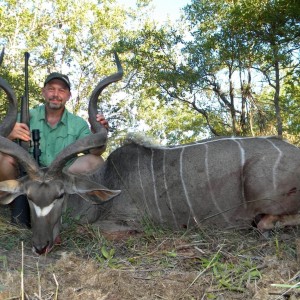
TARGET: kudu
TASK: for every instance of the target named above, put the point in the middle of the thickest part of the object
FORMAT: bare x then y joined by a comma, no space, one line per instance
46,188
226,182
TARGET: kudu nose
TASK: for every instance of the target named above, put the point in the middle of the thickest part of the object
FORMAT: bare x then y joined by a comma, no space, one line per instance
41,249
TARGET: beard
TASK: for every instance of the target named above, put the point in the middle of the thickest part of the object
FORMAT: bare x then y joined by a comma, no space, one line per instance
55,105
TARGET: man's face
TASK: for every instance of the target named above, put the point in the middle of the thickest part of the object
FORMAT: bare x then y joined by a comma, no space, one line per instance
56,93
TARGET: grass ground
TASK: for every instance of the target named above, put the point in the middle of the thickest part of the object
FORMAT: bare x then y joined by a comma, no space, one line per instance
157,264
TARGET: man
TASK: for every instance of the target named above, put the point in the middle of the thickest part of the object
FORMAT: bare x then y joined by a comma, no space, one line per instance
58,129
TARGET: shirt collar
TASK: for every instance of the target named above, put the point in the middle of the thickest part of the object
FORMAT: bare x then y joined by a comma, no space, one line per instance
42,113
63,119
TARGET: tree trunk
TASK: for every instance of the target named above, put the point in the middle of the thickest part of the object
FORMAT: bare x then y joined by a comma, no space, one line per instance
276,100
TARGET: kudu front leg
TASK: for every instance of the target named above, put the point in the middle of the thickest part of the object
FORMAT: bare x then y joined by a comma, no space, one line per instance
269,222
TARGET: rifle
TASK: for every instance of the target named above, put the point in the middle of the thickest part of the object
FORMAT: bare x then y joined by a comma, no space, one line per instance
25,118
20,211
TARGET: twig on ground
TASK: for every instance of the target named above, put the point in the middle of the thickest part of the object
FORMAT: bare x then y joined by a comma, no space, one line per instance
22,273
290,288
39,281
57,286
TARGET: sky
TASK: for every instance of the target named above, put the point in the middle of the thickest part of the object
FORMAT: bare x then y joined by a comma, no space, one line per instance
162,8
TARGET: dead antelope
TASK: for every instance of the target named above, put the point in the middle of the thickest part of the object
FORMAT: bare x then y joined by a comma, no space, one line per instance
225,182
46,188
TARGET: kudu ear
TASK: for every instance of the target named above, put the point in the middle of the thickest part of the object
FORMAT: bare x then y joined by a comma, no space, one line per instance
9,190
88,190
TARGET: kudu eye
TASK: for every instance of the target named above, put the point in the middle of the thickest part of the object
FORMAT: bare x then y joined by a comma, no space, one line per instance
60,196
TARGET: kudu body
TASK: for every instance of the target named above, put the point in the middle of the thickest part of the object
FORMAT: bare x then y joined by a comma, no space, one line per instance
46,188
225,183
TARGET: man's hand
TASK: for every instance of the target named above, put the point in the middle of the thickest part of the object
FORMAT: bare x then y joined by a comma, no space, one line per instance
20,131
100,118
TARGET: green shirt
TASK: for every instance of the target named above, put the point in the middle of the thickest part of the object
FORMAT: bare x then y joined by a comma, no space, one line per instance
54,139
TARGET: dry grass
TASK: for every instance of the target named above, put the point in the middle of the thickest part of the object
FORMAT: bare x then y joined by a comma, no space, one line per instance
207,264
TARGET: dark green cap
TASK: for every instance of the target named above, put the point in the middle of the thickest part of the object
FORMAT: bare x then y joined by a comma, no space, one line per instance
59,76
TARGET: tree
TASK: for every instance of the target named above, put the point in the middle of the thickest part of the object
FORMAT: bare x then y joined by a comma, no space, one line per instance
218,69
227,68
72,37
243,39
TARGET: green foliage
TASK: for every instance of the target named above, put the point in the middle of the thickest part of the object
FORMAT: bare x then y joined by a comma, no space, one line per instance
226,68
73,37
106,257
290,101
229,274
242,40
223,71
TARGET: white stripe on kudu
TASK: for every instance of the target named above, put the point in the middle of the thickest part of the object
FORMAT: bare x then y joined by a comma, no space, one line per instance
209,181
276,164
185,189
243,160
141,182
167,190
154,186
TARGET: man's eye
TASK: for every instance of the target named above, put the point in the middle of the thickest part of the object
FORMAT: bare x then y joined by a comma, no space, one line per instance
60,196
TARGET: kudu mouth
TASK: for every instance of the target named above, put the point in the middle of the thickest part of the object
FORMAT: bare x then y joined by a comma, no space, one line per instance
47,248
42,250
34,172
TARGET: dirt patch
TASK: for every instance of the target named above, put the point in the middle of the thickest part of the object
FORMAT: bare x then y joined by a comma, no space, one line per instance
154,265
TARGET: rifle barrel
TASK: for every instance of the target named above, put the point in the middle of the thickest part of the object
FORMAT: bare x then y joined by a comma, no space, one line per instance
24,116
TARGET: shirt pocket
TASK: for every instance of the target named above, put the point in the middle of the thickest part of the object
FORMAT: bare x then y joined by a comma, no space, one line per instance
62,141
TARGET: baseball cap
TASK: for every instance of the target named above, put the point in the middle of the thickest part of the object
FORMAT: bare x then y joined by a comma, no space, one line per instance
56,75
